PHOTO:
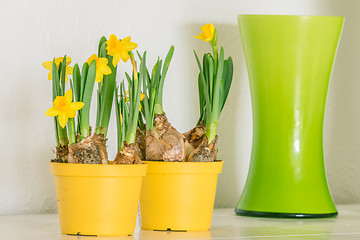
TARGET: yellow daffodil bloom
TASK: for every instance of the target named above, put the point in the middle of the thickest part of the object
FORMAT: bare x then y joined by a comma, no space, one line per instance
119,49
48,66
64,108
102,67
207,32
127,99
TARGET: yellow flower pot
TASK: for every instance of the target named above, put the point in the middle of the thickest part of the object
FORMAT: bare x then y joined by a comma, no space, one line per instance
97,199
179,196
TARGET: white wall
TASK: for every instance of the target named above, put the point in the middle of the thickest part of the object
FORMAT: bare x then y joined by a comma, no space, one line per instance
36,31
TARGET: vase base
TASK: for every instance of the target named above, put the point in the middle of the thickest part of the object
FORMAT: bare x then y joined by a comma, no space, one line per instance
241,212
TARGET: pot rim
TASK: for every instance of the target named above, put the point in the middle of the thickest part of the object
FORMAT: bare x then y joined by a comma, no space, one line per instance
184,168
98,170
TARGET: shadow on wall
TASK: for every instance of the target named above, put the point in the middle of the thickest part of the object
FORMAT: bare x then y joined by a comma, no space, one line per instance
342,116
235,123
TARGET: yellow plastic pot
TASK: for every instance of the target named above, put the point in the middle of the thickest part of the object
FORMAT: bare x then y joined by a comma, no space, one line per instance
97,199
179,196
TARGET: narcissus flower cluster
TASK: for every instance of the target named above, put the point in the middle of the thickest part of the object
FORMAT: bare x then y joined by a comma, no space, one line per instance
138,104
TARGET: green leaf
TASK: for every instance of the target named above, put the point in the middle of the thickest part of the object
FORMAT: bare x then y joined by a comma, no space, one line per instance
55,81
216,99
98,107
107,94
76,82
144,79
202,101
138,54
88,91
84,73
130,88
102,50
163,75
226,81
157,76
62,67
101,43
118,119
204,86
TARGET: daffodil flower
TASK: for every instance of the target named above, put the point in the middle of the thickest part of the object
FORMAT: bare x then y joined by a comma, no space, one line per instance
48,65
64,108
119,48
127,99
207,33
102,67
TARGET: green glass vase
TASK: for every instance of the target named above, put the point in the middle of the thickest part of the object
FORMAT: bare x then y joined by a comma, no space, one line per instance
289,61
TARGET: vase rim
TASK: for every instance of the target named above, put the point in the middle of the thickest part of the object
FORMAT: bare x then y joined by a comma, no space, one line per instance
289,15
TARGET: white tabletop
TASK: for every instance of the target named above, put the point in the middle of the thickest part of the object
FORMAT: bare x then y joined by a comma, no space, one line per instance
225,225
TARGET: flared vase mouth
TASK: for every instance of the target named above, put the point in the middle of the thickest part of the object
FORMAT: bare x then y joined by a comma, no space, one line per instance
288,16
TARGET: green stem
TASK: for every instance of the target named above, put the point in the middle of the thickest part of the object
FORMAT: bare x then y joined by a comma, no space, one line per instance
56,132
63,138
158,108
130,137
211,131
118,120
71,130
135,99
101,130
215,52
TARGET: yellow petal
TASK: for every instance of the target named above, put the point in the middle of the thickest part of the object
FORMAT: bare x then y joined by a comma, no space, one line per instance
68,60
124,56
52,112
103,61
76,105
71,113
116,59
111,44
68,96
131,46
99,77
207,32
201,36
105,70
66,78
127,92
91,58
142,96
127,39
211,28
69,70
63,118
205,29
47,65
103,67
140,107
50,75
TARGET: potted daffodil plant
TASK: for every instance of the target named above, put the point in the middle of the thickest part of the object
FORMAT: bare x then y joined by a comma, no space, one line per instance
96,196
179,189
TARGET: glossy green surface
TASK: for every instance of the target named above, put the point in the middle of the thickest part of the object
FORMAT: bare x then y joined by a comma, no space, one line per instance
289,60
